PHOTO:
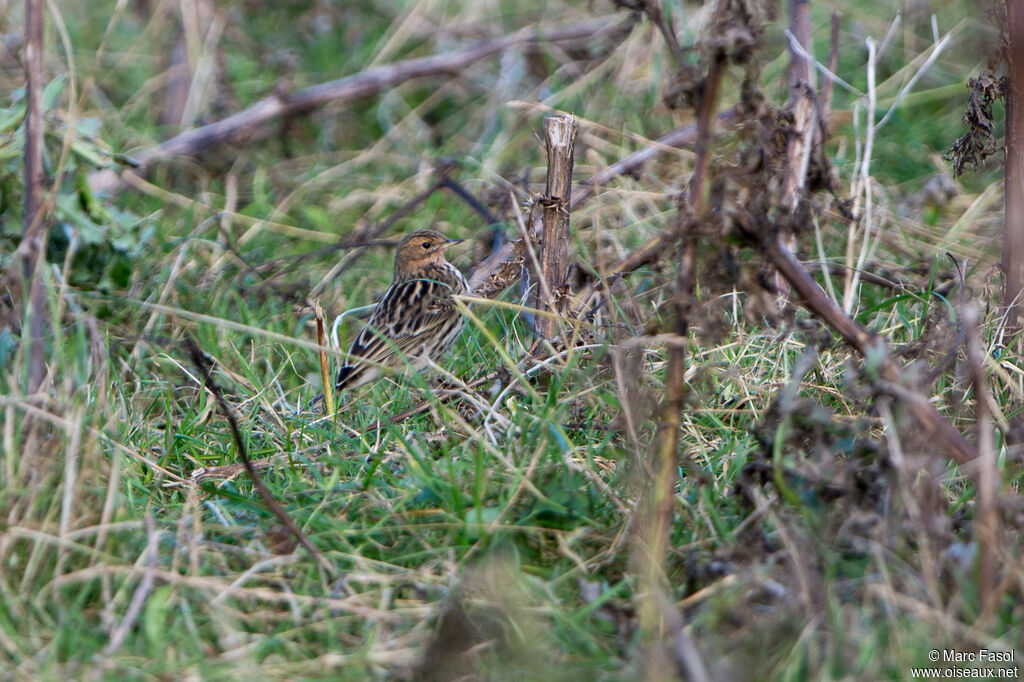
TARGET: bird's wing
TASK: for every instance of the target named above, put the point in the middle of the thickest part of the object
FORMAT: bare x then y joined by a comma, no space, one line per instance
409,313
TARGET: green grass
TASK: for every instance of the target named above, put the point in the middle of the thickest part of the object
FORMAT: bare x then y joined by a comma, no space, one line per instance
503,519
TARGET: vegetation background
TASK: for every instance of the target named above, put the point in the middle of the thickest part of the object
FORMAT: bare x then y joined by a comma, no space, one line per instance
497,533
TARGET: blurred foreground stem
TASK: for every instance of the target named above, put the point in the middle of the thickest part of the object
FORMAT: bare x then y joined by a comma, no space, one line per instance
658,507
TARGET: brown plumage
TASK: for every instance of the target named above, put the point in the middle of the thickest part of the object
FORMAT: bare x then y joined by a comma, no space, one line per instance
416,320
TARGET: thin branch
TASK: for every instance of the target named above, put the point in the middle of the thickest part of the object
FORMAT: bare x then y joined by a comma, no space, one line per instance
657,503
800,27
255,118
470,200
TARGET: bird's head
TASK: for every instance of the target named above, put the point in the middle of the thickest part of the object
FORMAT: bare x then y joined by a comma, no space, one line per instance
420,250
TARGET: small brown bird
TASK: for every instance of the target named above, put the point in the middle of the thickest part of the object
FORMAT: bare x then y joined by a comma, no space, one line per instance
416,318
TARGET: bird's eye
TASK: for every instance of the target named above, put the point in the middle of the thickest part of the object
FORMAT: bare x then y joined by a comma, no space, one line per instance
426,245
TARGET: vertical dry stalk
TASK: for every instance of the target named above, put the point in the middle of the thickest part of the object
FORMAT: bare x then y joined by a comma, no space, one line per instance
986,483
652,8
800,70
1013,234
906,475
805,119
560,137
833,64
34,232
933,425
325,367
655,531
862,189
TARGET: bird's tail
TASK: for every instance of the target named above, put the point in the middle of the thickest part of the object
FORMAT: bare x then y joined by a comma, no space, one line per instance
346,375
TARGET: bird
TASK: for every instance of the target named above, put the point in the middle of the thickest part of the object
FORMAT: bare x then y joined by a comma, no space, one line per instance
416,320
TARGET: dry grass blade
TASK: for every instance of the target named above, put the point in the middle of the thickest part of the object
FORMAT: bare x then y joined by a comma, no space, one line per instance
695,478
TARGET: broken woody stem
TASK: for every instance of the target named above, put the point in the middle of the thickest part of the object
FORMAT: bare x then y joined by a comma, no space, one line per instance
560,138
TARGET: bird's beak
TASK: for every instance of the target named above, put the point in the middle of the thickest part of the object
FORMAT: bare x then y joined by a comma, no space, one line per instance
452,242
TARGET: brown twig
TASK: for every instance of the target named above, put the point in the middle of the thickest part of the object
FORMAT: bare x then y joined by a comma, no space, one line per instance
468,199
254,119
800,26
666,444
369,234
986,481
560,137
498,271
268,497
873,273
936,429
